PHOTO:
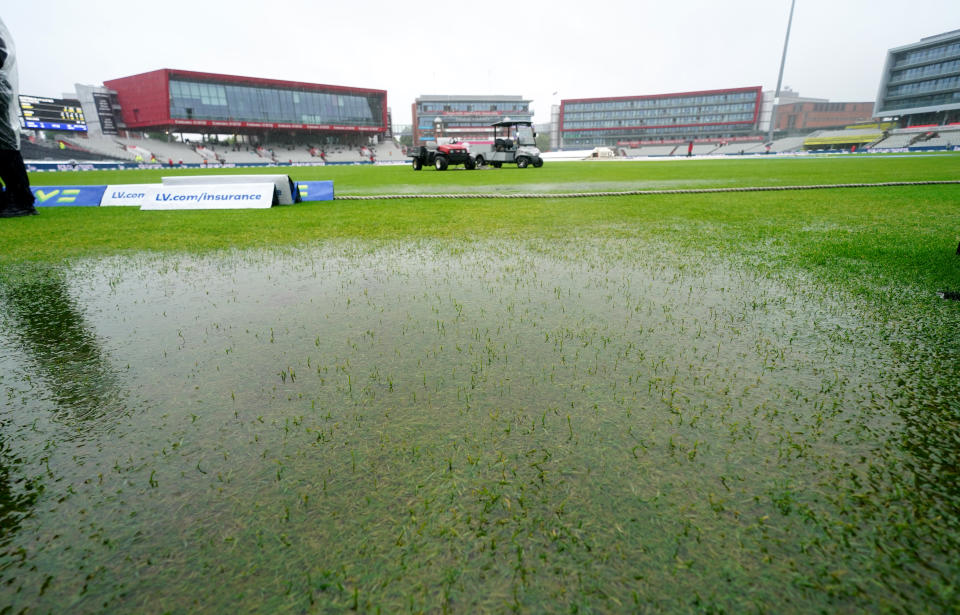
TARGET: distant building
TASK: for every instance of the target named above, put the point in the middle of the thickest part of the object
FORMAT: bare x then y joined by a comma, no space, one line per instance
186,101
631,121
554,128
807,116
466,117
920,83
787,97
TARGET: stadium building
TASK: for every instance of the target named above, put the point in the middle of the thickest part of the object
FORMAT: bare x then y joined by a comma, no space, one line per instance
466,117
803,117
711,116
921,82
186,101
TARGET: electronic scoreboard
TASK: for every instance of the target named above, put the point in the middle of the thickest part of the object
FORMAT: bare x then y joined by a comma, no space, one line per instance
52,113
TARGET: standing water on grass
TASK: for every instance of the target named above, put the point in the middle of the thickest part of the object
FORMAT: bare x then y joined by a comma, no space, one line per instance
598,425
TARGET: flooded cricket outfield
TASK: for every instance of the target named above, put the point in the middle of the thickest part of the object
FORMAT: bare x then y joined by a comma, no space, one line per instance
594,425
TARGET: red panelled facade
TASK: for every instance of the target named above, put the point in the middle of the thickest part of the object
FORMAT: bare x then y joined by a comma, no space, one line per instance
144,99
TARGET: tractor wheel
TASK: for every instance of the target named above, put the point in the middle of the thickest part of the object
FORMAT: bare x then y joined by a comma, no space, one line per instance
440,162
479,161
522,162
470,164
417,164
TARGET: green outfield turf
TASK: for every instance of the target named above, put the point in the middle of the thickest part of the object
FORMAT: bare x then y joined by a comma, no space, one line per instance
728,402
66,232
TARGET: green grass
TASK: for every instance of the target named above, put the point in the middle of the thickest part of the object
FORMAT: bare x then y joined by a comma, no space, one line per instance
904,232
752,171
739,402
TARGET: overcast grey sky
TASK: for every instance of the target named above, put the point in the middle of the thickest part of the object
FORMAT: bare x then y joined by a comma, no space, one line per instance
577,48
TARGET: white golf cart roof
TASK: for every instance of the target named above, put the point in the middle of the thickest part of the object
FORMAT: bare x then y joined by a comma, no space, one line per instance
503,123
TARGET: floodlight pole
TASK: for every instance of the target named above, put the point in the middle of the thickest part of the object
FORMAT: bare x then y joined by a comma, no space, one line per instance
783,60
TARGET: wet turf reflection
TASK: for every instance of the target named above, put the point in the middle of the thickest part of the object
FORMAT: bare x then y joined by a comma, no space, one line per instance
927,531
17,493
63,358
46,323
587,425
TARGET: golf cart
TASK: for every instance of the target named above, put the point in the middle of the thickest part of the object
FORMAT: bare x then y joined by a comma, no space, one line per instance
513,143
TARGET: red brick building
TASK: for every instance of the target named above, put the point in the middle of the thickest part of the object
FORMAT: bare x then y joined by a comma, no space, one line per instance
803,116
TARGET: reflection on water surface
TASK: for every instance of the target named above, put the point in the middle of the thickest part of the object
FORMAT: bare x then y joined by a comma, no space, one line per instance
469,426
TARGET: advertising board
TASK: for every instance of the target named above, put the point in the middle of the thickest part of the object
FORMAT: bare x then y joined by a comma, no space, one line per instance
209,196
316,190
131,195
76,196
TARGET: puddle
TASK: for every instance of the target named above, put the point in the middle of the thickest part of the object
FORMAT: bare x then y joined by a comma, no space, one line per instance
418,426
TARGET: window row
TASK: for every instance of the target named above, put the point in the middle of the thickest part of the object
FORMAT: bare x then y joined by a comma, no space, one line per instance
927,54
481,121
931,100
929,70
648,113
666,132
830,107
208,101
698,119
652,103
440,107
922,87
588,142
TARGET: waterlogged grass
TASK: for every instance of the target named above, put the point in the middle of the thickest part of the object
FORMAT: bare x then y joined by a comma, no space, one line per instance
726,403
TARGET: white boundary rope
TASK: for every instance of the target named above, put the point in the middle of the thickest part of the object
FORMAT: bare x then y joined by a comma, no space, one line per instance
578,195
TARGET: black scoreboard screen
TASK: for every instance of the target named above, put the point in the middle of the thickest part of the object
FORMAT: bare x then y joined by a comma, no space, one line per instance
52,113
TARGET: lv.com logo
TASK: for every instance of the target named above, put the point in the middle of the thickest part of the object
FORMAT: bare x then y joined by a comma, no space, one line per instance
65,196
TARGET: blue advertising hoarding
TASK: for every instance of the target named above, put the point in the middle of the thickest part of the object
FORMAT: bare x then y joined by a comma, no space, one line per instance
74,196
316,190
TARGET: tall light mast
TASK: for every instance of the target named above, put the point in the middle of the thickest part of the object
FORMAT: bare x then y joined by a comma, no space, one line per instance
783,60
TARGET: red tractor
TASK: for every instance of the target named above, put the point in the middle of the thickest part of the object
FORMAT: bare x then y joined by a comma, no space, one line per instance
450,151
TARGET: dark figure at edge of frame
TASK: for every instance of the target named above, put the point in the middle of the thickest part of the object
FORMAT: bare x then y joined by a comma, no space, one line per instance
17,199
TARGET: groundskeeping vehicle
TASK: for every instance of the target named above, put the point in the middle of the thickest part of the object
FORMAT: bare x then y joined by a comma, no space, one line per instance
448,151
513,143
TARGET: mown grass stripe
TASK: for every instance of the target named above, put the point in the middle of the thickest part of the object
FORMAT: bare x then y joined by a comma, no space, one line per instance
574,195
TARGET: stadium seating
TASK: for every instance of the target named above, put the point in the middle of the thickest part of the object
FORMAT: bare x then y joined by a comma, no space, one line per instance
932,141
656,150
163,150
896,140
735,148
207,153
244,155
952,137
105,146
925,136
786,144
388,151
290,153
42,150
942,138
842,139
